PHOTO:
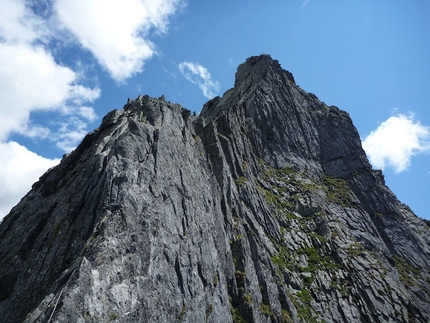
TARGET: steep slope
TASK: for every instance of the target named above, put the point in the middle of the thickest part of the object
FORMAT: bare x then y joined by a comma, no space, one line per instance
263,208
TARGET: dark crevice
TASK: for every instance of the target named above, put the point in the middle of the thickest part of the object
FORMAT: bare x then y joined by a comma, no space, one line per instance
203,279
179,276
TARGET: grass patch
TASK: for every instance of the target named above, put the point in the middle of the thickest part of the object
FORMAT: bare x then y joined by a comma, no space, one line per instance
304,296
337,190
182,313
235,313
248,298
241,181
302,301
355,249
286,317
408,274
215,280
266,310
209,310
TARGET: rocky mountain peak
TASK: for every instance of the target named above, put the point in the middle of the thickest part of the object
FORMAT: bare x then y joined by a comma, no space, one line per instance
263,67
264,208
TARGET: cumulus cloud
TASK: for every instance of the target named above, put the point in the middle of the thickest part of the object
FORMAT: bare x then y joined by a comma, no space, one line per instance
396,141
30,77
35,83
115,32
199,75
31,80
18,24
20,168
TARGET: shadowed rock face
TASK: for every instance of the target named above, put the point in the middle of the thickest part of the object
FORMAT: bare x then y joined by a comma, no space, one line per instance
263,208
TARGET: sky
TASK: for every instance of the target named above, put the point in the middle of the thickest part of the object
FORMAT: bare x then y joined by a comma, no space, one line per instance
66,63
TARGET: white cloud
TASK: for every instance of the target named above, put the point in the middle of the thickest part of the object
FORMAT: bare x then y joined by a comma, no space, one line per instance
35,131
20,168
87,113
197,74
31,80
396,141
18,24
115,32
69,133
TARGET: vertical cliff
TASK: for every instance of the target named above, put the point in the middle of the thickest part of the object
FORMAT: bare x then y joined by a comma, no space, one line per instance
263,208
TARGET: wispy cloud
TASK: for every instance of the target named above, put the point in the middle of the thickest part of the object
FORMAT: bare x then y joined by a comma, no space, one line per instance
116,32
199,75
69,132
396,141
304,4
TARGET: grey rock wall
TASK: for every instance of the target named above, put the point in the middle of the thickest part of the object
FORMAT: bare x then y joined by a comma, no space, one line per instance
263,208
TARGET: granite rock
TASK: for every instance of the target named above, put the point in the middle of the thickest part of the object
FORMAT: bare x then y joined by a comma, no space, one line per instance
264,208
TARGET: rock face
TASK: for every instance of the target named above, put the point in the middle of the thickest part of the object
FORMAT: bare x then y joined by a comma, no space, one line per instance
263,208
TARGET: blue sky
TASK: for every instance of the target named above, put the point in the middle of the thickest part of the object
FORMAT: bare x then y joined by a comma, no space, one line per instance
66,63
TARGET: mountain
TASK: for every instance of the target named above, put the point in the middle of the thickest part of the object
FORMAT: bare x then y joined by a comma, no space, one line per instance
263,208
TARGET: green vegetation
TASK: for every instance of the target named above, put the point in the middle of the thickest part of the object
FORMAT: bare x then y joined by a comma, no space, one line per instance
209,310
248,298
240,181
302,301
321,238
283,260
281,189
275,199
318,262
408,274
305,313
182,313
342,288
337,190
235,313
237,318
286,318
266,310
238,237
355,249
215,280
312,254
245,166
240,277
304,296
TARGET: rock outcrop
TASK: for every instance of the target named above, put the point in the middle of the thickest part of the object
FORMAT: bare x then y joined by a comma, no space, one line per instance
264,208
